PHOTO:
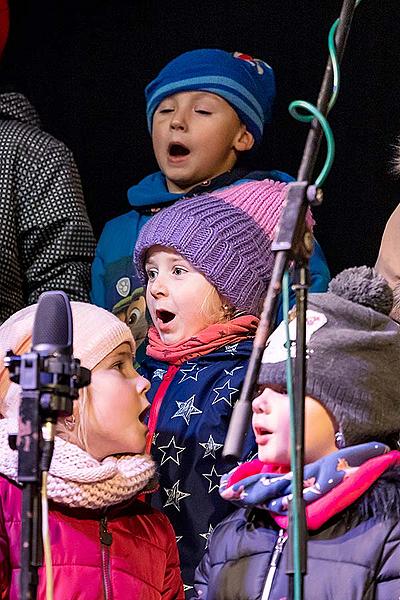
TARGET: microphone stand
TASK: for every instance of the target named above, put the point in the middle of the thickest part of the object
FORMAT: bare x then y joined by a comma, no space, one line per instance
292,243
49,386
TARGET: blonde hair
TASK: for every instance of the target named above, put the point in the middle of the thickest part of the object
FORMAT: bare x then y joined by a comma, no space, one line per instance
215,308
78,434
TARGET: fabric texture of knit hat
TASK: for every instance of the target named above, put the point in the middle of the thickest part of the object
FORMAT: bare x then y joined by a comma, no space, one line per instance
248,84
353,356
96,332
226,235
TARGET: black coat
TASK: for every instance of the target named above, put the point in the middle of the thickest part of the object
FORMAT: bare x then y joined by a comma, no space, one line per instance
46,240
354,556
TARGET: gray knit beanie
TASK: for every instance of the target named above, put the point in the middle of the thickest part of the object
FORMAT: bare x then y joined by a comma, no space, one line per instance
353,356
226,235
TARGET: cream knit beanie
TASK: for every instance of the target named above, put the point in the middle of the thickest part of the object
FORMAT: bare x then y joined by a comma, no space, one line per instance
96,332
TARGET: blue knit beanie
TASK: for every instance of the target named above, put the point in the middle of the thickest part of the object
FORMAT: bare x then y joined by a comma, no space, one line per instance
248,84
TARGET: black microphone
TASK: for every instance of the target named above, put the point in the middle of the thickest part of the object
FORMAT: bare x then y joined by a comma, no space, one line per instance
52,329
50,379
52,337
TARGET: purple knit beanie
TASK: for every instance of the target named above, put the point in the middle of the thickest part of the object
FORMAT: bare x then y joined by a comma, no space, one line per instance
226,235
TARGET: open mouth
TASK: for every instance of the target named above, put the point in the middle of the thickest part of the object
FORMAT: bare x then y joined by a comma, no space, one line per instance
165,316
178,150
144,415
262,431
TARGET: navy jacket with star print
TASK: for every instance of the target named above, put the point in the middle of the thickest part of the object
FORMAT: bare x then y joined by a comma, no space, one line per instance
191,408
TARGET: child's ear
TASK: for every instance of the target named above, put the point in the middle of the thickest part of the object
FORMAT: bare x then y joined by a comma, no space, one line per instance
244,140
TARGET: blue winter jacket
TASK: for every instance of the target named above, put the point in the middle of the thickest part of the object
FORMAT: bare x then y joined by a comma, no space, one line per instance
113,274
192,406
354,556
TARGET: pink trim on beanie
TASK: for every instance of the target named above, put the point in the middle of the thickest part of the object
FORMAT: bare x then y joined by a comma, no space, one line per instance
249,196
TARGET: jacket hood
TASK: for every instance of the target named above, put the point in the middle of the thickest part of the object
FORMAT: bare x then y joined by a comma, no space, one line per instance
15,106
151,191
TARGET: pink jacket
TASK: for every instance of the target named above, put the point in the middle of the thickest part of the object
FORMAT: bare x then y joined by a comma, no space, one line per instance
126,552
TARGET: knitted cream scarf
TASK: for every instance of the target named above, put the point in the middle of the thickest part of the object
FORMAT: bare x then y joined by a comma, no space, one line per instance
78,480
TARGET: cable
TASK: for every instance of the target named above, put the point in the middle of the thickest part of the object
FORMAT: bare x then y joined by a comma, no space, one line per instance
46,539
290,393
330,141
316,114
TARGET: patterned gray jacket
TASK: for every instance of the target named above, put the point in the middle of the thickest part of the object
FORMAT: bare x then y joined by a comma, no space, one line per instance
46,240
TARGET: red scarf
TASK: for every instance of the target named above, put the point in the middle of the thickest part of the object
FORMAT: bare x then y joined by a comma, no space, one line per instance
213,337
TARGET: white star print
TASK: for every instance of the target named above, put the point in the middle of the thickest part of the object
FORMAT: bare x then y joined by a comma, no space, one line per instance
231,348
159,373
229,391
175,496
233,370
191,373
178,538
187,587
207,535
186,409
155,436
210,447
175,455
210,477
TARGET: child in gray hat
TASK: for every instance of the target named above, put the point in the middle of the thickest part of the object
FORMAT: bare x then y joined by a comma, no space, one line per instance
351,476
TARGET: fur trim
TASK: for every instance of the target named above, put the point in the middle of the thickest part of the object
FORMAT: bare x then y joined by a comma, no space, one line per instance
382,500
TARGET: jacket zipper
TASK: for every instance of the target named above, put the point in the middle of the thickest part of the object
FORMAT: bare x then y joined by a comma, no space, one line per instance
106,541
156,404
274,563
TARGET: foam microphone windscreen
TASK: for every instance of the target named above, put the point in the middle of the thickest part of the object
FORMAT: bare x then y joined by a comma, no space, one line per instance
52,329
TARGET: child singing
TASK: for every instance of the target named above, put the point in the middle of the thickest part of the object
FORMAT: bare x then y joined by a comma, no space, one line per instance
206,262
352,463
105,543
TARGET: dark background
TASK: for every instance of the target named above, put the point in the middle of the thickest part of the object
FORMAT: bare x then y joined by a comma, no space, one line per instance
84,65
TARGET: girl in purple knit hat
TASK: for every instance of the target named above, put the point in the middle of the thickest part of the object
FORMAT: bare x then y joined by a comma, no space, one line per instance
206,262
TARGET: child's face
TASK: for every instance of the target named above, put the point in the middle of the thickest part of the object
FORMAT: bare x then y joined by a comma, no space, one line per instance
176,294
271,426
196,136
118,406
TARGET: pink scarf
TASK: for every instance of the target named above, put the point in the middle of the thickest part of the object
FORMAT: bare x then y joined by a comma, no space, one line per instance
213,337
267,486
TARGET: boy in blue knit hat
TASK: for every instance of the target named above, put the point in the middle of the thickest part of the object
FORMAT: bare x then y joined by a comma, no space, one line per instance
205,109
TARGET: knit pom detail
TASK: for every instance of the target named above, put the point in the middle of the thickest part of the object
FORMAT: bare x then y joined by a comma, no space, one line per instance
363,285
